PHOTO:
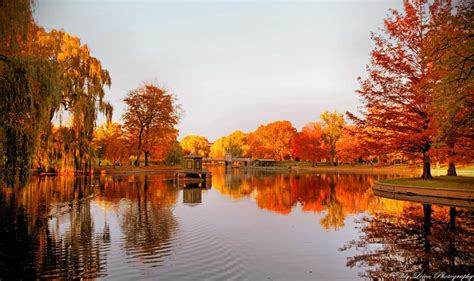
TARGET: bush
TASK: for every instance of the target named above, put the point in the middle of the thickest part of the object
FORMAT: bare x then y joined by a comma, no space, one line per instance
174,156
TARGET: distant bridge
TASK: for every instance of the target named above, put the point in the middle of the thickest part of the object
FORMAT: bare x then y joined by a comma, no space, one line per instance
232,162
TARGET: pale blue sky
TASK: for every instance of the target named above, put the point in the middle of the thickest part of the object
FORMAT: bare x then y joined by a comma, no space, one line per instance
232,65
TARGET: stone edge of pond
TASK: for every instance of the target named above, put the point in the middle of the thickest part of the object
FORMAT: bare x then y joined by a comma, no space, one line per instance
425,191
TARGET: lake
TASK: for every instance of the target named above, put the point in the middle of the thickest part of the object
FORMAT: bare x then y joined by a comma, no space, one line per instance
249,225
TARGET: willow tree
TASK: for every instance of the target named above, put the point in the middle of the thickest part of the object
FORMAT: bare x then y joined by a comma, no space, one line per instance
41,74
29,88
16,19
151,114
82,83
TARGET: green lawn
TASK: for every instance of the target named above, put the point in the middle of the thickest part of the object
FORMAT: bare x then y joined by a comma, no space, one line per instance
443,181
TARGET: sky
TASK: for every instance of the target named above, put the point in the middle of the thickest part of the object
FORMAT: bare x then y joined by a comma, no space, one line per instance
233,65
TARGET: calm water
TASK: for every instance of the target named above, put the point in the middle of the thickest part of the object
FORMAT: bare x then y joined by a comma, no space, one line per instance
248,226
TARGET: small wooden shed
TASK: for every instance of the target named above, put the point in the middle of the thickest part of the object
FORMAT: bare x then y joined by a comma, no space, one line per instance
192,171
192,162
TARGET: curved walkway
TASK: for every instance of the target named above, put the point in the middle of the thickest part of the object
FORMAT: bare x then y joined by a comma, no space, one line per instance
443,192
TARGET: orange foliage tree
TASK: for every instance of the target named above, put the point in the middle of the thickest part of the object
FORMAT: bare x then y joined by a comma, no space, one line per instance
396,98
272,140
151,116
308,145
350,147
112,143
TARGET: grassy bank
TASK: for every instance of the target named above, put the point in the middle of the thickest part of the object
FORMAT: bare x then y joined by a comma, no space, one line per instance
361,169
465,183
387,169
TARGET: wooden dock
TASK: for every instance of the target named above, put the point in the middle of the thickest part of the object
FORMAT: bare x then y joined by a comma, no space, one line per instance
189,177
192,172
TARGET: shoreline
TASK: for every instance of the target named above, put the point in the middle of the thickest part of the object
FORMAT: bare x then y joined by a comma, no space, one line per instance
445,192
137,170
361,169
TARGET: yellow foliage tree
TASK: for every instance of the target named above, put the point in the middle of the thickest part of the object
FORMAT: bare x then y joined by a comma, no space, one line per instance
236,143
195,144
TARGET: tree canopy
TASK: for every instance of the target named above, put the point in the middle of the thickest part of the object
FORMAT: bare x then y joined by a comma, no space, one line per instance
151,117
195,144
396,96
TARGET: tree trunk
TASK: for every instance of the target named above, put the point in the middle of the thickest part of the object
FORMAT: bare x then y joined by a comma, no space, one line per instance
425,265
426,168
452,218
146,157
331,156
426,220
452,169
137,162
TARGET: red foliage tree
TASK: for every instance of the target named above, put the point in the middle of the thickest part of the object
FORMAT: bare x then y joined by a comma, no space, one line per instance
351,146
396,98
308,145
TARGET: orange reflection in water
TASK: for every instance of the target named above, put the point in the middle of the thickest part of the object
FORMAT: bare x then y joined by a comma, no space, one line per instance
401,240
334,195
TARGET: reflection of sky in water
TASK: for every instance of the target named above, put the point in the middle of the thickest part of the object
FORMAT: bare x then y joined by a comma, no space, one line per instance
250,225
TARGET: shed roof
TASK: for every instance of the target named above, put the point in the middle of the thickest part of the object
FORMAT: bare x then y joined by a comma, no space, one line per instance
265,160
192,156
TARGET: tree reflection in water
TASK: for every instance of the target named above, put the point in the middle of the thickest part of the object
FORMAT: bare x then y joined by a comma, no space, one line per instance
334,196
334,215
416,239
48,231
147,220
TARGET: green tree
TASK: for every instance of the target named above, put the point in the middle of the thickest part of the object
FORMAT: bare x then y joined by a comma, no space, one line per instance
450,55
174,155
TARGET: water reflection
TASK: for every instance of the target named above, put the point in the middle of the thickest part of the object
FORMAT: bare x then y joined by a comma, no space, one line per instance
57,227
134,227
192,196
333,195
147,220
49,232
403,239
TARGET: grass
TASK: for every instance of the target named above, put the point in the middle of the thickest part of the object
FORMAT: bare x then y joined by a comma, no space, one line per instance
467,170
466,183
